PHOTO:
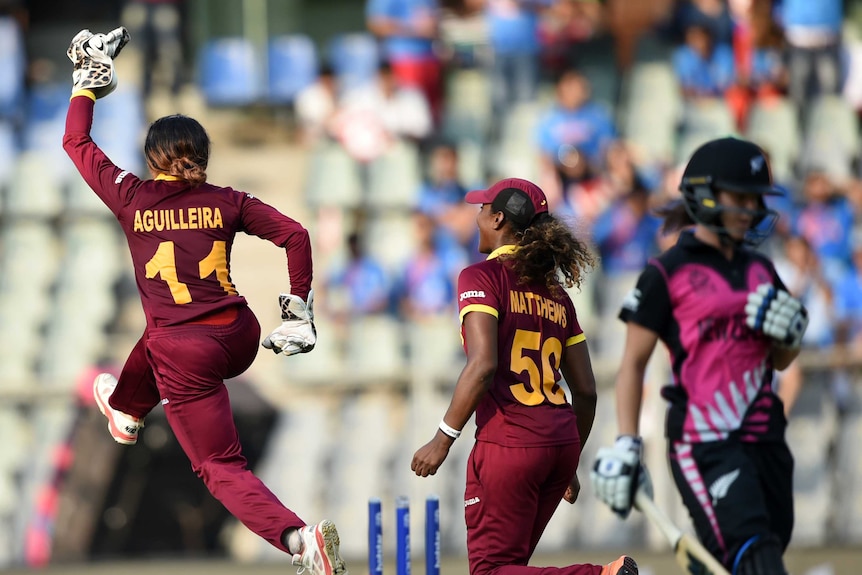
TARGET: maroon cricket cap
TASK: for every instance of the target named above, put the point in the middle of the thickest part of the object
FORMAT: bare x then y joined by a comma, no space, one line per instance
519,200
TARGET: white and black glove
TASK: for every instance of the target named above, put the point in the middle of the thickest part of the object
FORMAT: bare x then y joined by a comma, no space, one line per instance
93,58
777,314
618,472
297,333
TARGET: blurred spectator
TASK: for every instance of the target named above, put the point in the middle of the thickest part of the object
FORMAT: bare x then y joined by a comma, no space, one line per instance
710,14
156,26
825,220
358,286
427,286
800,270
316,105
463,33
703,67
848,298
513,32
574,121
372,117
626,234
813,34
758,45
14,19
566,25
621,175
583,193
408,29
441,196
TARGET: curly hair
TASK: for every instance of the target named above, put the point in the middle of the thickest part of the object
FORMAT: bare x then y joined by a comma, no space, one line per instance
548,248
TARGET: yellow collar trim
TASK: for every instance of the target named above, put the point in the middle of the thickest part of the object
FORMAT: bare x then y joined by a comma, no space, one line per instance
167,177
507,249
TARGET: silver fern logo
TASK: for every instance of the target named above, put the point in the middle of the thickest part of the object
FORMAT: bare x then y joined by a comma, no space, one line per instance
721,486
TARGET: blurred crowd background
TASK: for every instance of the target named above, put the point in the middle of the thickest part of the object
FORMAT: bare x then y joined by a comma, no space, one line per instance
369,121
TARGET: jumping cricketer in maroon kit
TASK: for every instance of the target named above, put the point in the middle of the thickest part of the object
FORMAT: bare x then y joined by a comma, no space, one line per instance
200,330
521,334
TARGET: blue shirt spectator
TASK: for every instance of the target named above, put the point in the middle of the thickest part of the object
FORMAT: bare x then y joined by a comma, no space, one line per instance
626,234
702,67
575,121
407,26
427,286
441,190
513,25
822,15
362,281
711,14
825,220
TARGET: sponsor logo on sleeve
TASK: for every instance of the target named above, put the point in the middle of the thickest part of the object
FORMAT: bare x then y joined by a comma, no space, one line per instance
471,294
120,176
632,300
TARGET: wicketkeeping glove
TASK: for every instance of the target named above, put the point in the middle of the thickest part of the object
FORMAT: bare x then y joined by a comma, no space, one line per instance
777,314
618,472
297,333
93,58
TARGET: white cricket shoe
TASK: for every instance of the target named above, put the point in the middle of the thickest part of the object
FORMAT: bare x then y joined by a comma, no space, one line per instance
320,550
122,427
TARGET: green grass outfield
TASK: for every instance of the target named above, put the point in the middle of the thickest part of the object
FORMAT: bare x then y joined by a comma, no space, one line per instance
843,561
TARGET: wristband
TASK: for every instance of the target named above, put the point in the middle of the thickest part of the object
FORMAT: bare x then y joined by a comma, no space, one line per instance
448,430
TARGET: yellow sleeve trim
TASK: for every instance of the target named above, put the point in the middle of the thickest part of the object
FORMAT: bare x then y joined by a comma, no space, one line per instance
478,307
88,93
576,339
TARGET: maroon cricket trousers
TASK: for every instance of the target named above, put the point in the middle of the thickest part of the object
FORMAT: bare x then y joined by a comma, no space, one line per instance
511,495
184,367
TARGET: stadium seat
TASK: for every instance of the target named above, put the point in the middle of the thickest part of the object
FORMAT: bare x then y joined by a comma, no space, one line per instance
374,351
292,66
355,58
650,112
467,115
125,107
773,125
36,187
394,178
332,178
380,229
9,150
29,255
471,164
831,137
228,72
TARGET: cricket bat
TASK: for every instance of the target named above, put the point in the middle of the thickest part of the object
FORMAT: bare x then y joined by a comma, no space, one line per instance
690,554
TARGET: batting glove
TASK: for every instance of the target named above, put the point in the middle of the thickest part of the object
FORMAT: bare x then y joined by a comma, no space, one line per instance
777,314
618,472
297,333
92,56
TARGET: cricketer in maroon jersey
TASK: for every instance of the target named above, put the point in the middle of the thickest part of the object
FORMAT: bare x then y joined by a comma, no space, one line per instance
200,331
521,335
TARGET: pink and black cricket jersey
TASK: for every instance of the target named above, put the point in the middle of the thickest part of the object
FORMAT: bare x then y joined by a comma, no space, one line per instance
694,299
180,237
525,405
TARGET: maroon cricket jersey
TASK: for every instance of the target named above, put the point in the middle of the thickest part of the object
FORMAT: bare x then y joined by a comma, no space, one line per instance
180,237
525,405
